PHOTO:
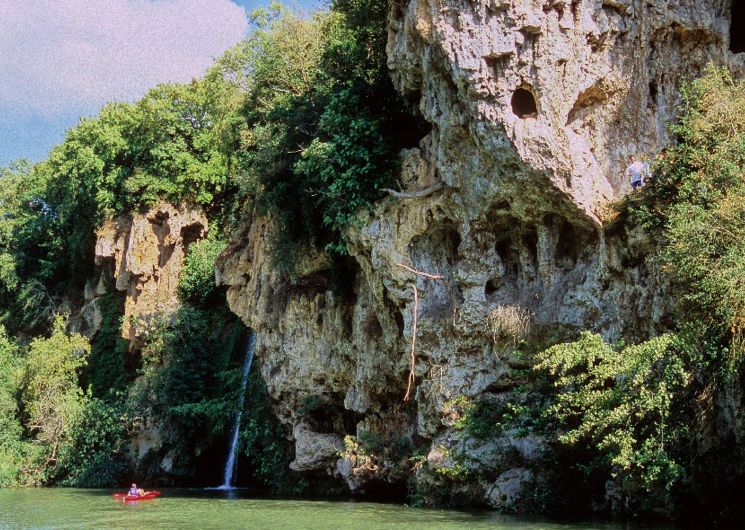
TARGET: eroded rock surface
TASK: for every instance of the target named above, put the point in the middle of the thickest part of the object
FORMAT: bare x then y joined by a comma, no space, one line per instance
314,450
145,253
603,77
515,220
509,489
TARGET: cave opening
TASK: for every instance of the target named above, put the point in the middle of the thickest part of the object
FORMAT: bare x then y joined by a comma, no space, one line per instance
491,287
652,94
737,28
524,104
566,247
509,257
530,241
191,234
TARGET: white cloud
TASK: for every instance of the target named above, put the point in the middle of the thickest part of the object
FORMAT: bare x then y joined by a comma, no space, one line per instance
58,56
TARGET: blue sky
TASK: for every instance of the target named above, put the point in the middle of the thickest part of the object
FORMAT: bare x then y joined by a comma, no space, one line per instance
61,60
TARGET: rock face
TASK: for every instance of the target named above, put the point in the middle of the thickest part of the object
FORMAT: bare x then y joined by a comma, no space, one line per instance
548,98
145,252
509,489
534,107
314,450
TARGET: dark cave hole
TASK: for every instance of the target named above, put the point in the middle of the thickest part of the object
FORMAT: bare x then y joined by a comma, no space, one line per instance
524,104
530,240
410,126
491,287
566,248
383,491
652,94
399,318
191,234
395,311
452,239
509,257
737,28
373,329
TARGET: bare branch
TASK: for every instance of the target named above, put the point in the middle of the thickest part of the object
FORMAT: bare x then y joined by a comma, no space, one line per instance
420,273
407,396
437,186
414,321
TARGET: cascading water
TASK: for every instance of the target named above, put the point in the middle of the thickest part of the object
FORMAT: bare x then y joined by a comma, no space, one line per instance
230,464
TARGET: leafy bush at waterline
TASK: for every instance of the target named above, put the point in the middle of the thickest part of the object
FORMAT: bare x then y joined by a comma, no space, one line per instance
52,401
12,448
96,455
622,402
51,430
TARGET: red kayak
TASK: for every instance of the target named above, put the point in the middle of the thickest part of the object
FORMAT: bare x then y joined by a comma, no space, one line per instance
126,497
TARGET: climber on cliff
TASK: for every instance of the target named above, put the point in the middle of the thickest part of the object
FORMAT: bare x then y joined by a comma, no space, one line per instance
635,171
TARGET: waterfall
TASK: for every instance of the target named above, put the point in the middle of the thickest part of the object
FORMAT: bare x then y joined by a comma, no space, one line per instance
230,463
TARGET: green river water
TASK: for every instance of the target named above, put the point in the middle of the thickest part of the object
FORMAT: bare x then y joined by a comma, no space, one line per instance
62,508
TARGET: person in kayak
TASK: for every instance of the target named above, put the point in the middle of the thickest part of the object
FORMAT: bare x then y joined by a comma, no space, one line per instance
134,491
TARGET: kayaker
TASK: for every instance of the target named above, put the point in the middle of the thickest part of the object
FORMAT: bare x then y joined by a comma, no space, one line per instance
136,492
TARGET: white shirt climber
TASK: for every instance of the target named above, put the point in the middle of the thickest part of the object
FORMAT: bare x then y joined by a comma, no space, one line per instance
635,171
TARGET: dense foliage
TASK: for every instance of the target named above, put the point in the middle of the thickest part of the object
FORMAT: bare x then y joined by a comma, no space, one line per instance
11,448
107,371
695,207
264,442
183,385
300,121
625,403
197,279
96,455
51,429
323,126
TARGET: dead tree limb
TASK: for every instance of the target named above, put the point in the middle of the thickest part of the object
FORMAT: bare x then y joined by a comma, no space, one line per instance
437,186
420,273
414,321
412,375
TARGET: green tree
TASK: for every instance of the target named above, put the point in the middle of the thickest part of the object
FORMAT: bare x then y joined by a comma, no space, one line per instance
25,243
321,135
197,280
695,205
12,449
96,453
625,402
53,402
182,385
169,146
107,371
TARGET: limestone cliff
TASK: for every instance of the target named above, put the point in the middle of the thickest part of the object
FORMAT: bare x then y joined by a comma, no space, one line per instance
534,106
142,255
